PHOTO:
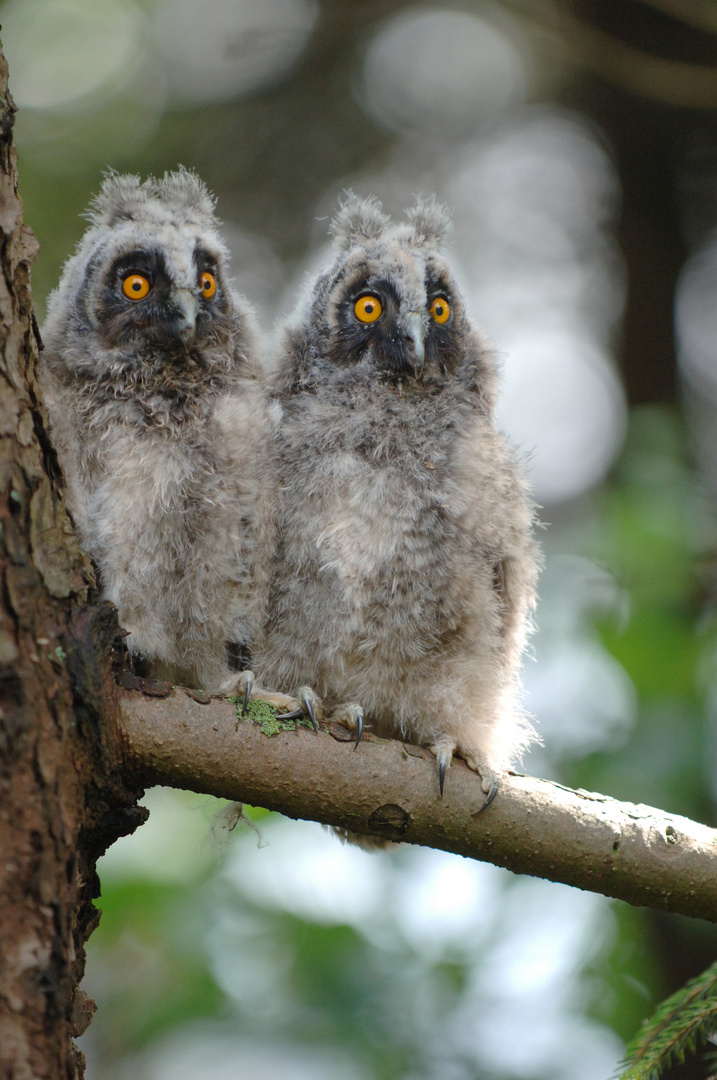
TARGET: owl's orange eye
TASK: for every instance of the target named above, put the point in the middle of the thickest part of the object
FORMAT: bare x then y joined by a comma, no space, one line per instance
136,286
440,310
367,309
208,285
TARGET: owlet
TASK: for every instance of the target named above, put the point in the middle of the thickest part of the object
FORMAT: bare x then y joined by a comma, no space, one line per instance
406,562
153,386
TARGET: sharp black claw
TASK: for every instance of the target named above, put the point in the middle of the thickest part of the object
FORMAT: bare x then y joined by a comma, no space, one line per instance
310,710
441,775
490,796
297,714
247,695
359,729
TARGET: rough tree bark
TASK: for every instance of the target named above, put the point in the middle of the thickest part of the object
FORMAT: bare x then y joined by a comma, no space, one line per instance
75,749
62,798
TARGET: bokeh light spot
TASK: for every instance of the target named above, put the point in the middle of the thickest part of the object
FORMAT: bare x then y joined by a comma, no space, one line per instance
218,51
65,51
563,402
442,71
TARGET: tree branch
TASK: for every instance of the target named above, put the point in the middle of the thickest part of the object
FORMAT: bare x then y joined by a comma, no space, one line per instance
390,789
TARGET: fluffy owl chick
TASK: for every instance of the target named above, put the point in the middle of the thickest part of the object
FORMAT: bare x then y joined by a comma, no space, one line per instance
153,388
406,562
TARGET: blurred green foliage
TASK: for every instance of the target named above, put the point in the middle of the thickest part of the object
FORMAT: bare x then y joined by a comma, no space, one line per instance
151,946
654,526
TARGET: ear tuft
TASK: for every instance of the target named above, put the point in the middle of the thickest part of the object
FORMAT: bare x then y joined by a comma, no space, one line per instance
124,197
186,191
358,219
431,222
120,198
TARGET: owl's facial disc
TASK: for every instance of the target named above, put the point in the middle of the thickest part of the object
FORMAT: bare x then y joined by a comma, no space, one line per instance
375,325
368,309
164,301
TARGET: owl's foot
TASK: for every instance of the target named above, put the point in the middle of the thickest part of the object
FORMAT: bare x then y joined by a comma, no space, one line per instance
312,705
309,705
350,714
238,680
490,780
246,682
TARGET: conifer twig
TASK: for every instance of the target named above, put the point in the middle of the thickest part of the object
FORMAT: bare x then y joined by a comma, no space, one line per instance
682,1021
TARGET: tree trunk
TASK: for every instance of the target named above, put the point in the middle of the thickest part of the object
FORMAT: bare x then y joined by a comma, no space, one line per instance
61,801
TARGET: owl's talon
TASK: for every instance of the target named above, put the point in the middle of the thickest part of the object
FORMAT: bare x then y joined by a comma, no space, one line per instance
312,714
359,727
312,706
248,680
490,780
296,714
493,791
444,756
350,715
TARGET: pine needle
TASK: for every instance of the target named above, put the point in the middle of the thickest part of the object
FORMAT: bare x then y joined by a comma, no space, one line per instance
676,1027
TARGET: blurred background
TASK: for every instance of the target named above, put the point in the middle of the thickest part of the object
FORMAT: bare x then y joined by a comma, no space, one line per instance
575,142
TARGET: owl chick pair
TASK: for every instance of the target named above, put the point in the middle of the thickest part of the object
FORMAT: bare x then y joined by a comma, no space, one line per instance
357,524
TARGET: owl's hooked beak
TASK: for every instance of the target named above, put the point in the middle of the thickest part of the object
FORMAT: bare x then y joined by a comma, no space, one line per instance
414,331
187,308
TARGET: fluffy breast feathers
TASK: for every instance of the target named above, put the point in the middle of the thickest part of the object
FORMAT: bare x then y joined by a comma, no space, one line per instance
152,381
407,564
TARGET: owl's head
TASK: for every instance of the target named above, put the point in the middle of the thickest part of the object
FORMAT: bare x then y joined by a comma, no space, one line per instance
390,299
149,275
